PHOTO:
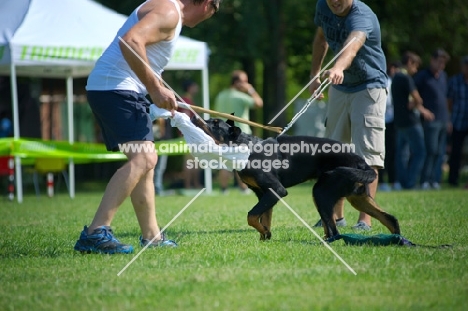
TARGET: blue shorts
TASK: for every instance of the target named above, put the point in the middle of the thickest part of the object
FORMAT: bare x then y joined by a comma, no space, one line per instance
122,116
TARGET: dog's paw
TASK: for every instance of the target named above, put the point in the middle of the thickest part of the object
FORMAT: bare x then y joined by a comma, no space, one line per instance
265,236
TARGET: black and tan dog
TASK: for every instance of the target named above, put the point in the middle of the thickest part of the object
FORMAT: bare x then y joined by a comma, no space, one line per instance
338,175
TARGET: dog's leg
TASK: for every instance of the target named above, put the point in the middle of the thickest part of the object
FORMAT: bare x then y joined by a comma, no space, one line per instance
325,209
265,220
326,198
264,206
255,220
364,203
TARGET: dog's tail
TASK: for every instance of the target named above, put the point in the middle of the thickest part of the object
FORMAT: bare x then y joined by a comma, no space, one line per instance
365,176
357,179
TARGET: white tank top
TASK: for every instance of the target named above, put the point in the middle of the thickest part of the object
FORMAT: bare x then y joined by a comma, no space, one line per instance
112,71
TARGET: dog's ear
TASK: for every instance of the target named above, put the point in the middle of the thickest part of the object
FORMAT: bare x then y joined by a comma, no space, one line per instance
230,122
234,132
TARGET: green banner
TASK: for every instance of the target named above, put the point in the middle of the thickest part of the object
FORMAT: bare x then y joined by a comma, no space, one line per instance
79,152
60,53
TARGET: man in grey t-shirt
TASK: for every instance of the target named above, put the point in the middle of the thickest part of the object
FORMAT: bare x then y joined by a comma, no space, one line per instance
357,97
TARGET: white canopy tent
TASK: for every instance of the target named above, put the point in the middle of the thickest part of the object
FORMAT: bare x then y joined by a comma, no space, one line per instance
63,39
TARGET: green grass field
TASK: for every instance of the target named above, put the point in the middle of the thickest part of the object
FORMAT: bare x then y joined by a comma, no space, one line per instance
221,264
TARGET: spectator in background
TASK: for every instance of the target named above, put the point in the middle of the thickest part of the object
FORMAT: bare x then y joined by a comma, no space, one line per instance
432,86
457,98
191,176
408,106
239,98
190,89
6,126
390,139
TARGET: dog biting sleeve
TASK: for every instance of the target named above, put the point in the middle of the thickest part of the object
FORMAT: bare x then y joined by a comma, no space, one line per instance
203,147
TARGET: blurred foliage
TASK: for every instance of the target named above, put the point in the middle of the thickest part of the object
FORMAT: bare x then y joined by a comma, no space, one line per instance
272,39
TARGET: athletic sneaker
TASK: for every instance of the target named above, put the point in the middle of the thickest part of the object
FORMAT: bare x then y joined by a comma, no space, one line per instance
246,191
362,226
159,243
425,186
102,241
339,223
384,187
397,186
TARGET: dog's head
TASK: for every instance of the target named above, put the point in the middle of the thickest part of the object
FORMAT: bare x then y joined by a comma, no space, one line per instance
222,132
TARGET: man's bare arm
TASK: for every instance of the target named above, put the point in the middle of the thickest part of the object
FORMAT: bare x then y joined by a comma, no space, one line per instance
417,102
319,51
346,58
335,74
157,23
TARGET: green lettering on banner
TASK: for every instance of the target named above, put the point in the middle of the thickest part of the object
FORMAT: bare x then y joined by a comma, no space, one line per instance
66,52
36,52
24,51
50,52
95,53
79,53
185,56
58,52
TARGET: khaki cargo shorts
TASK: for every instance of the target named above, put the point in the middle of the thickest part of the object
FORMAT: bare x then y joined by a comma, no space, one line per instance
358,118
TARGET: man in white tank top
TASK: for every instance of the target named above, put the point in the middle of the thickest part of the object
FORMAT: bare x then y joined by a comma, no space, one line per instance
117,89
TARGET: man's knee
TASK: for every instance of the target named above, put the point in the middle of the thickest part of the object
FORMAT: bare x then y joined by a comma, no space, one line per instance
145,160
151,160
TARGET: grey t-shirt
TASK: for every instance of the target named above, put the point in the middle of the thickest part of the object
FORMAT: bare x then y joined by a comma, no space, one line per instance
368,69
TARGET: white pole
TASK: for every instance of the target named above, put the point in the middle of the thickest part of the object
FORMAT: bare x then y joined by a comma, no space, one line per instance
16,129
206,105
71,135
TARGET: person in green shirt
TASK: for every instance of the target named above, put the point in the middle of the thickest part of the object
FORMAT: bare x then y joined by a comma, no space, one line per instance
239,98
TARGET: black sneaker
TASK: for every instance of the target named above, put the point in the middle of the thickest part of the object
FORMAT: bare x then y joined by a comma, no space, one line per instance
163,242
102,241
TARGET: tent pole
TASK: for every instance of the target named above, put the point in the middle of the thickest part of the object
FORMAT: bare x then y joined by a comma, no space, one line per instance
16,130
206,104
71,134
